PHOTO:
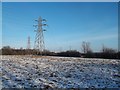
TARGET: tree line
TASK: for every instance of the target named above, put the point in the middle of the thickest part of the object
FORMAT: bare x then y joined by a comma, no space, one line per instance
87,52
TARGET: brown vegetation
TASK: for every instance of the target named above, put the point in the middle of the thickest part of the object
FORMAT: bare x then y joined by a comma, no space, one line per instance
104,53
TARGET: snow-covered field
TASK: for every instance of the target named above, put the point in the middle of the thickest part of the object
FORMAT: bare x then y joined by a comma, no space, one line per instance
59,72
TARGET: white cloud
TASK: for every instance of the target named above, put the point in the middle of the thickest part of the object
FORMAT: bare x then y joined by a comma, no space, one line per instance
104,37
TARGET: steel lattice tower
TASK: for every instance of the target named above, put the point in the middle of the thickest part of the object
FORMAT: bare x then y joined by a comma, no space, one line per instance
28,43
39,38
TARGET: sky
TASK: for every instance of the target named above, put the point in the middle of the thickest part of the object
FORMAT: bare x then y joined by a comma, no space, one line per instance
0,25
69,24
60,0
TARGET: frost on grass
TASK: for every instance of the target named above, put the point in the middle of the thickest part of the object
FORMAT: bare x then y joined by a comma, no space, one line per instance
59,72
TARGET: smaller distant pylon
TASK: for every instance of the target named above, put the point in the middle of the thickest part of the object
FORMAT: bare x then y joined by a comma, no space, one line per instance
28,43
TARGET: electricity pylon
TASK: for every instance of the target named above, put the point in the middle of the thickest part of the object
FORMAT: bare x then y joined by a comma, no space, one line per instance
28,43
39,38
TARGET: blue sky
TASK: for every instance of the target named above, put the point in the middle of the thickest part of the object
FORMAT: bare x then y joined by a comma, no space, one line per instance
0,25
69,24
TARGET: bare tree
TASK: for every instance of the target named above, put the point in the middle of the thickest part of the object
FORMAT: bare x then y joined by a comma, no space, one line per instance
108,50
86,47
83,47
